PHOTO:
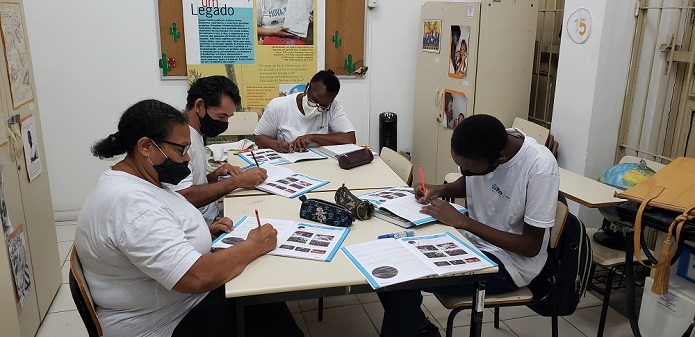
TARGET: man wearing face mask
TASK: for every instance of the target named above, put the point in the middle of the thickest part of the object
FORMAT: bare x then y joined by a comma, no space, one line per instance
511,185
210,103
311,118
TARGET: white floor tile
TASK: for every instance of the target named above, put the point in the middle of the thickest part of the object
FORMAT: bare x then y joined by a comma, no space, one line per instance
64,250
63,300
488,331
368,298
539,326
293,306
586,320
515,312
589,300
299,318
66,323
345,321
440,313
65,233
65,271
328,302
375,312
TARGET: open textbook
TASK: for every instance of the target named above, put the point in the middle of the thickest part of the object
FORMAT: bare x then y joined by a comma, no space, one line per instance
386,262
295,239
283,181
398,205
269,156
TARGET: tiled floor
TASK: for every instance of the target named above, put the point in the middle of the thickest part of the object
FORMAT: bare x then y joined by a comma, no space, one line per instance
360,315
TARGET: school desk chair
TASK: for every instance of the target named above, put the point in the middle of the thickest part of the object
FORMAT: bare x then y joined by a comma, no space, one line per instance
82,296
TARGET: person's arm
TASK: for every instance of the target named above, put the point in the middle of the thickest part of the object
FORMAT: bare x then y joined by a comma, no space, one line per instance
213,270
456,189
201,195
279,145
223,170
275,31
301,143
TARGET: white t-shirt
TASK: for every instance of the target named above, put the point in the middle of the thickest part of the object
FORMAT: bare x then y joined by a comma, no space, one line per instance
198,175
522,190
282,115
270,13
135,241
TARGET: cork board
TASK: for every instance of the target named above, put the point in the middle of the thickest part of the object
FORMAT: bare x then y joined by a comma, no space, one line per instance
171,39
345,36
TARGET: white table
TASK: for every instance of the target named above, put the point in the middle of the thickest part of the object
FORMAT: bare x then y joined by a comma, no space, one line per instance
275,278
376,174
588,192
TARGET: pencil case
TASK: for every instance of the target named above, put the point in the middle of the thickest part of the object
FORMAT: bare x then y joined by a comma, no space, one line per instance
355,158
361,209
325,212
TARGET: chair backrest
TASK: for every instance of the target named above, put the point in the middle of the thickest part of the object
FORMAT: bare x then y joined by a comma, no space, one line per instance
399,164
82,296
242,123
560,219
533,130
632,159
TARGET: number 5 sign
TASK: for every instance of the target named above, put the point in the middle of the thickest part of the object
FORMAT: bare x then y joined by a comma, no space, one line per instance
579,25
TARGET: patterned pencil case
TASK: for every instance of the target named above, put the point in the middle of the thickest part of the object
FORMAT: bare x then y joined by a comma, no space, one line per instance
325,212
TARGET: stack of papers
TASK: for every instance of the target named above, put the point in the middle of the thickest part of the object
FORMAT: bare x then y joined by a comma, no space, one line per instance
300,240
269,156
390,261
283,181
398,205
336,151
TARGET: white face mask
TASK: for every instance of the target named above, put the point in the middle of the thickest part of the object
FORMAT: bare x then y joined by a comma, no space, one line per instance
309,111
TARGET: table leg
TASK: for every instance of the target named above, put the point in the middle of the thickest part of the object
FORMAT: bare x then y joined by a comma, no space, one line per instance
239,317
476,328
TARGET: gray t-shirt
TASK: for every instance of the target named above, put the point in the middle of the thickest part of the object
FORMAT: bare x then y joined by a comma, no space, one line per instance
135,241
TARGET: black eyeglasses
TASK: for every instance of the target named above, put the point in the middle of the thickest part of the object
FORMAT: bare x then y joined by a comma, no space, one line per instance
491,168
184,148
315,104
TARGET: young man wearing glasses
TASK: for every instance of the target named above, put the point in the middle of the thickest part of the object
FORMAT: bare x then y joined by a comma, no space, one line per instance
293,122
210,103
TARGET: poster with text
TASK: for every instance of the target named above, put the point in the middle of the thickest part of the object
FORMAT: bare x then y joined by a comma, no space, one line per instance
458,52
16,54
31,147
20,266
264,46
4,217
454,109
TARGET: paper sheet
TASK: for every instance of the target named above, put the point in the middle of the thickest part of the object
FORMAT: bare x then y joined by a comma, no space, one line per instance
297,17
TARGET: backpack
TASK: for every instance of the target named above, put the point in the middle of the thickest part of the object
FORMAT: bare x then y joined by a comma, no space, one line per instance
565,275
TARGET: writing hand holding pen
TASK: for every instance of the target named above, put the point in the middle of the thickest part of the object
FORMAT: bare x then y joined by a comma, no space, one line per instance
282,144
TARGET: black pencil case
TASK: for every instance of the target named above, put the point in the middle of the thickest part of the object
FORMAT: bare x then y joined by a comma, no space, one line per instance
355,158
325,212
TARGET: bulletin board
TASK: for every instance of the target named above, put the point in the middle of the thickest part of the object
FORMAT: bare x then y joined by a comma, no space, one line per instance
172,59
345,37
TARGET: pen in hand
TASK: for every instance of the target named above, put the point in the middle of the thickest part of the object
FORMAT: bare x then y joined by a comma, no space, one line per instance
258,219
255,161
422,181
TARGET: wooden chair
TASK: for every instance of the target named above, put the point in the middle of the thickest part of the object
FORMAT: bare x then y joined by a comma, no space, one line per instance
521,296
399,164
533,130
241,124
82,296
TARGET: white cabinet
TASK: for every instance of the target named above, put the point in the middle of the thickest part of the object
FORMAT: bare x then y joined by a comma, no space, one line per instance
497,81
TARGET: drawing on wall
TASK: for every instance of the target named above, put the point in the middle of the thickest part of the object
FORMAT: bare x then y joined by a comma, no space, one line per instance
431,31
285,22
458,52
4,218
16,55
20,267
454,109
31,147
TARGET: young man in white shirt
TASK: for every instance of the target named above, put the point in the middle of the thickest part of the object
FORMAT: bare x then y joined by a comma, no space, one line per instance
511,186
210,103
313,117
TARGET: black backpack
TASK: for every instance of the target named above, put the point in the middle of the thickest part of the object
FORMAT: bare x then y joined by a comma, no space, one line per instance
565,276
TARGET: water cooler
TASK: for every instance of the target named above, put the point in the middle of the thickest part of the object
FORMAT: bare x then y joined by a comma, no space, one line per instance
388,133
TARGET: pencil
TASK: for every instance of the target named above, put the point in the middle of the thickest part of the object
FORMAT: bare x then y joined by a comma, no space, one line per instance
254,159
258,218
422,181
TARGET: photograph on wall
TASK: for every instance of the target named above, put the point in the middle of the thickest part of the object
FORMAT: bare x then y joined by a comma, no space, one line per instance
16,54
20,266
4,217
282,22
31,147
454,109
431,31
458,52
289,89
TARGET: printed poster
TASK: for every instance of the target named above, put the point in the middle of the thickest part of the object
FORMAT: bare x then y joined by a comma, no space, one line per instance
431,31
4,217
454,109
20,265
16,55
458,53
266,47
31,147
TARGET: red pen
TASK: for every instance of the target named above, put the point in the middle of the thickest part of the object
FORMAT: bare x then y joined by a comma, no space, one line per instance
422,181
258,218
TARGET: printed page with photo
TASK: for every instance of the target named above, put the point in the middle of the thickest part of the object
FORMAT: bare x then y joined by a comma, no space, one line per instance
446,254
283,181
269,156
401,202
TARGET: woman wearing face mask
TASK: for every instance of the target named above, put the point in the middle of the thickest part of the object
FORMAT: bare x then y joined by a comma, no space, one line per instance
311,118
145,250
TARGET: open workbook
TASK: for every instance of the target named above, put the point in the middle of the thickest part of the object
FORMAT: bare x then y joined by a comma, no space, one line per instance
336,151
268,156
398,205
390,261
283,181
295,239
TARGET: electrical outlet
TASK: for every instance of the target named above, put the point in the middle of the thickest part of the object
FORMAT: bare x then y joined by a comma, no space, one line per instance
371,4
